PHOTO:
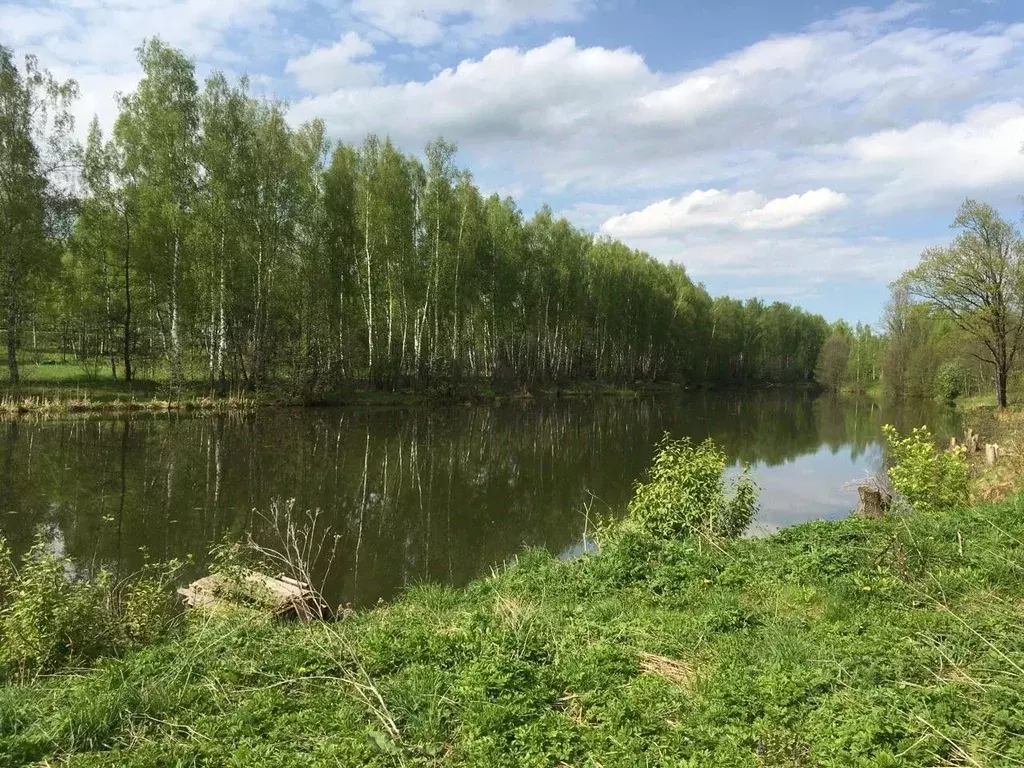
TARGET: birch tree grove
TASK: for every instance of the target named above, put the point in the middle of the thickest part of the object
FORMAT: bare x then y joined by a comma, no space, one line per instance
216,242
35,150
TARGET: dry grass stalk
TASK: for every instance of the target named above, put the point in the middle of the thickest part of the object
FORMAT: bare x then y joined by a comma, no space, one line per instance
355,676
569,703
672,670
302,545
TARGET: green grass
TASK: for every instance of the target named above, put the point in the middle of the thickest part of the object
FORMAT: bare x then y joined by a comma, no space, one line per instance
892,642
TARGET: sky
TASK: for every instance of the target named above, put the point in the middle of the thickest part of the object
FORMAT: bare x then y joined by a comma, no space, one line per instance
800,151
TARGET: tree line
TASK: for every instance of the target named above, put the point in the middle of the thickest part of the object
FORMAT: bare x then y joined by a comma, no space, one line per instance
208,239
954,324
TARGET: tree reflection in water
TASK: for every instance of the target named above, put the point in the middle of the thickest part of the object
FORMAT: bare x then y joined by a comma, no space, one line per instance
416,494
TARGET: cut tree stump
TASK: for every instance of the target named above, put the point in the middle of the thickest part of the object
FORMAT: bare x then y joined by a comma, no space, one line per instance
991,453
873,502
280,595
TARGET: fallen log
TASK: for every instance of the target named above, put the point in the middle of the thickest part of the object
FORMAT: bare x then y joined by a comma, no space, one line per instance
279,595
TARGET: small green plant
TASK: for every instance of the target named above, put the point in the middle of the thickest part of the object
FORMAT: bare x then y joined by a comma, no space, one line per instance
686,494
928,478
143,604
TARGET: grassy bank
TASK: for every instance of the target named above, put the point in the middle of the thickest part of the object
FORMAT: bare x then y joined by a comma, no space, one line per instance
892,642
82,394
1006,429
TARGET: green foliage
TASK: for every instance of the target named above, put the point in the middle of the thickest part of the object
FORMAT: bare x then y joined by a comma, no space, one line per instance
949,381
830,372
145,607
975,282
864,369
48,618
51,616
37,145
215,243
927,477
686,494
859,642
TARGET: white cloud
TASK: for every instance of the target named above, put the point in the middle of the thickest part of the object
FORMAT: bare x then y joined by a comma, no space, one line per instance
872,18
874,112
94,41
427,22
329,68
713,208
931,160
509,95
797,258
569,116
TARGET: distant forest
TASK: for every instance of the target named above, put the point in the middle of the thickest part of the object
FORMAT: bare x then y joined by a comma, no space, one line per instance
207,239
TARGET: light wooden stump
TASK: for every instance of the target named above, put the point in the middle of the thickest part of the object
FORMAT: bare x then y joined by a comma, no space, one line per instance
991,453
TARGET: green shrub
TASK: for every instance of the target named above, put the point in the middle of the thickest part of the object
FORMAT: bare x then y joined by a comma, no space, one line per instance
52,615
949,381
686,494
929,478
145,607
48,618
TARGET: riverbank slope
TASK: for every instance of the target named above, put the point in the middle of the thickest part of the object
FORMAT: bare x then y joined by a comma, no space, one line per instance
861,642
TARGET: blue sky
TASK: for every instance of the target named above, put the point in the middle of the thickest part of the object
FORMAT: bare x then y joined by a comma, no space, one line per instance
803,151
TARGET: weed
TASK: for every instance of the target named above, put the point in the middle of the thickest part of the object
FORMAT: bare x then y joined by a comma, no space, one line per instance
686,494
928,478
53,615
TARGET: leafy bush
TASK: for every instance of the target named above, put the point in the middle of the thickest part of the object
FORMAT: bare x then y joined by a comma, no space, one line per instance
949,381
686,494
929,478
51,615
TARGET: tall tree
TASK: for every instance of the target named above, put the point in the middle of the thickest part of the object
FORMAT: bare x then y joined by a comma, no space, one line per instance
978,281
107,222
218,238
36,148
832,362
157,134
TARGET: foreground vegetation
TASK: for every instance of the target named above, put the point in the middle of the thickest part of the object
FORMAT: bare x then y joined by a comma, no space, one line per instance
888,642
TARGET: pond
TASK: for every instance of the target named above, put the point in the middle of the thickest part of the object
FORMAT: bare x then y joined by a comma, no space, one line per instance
419,493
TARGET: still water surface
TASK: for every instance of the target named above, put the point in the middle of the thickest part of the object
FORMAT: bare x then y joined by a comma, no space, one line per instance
416,494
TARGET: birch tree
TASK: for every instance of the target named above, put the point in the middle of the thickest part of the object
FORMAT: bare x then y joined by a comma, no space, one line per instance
156,132
219,242
36,148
